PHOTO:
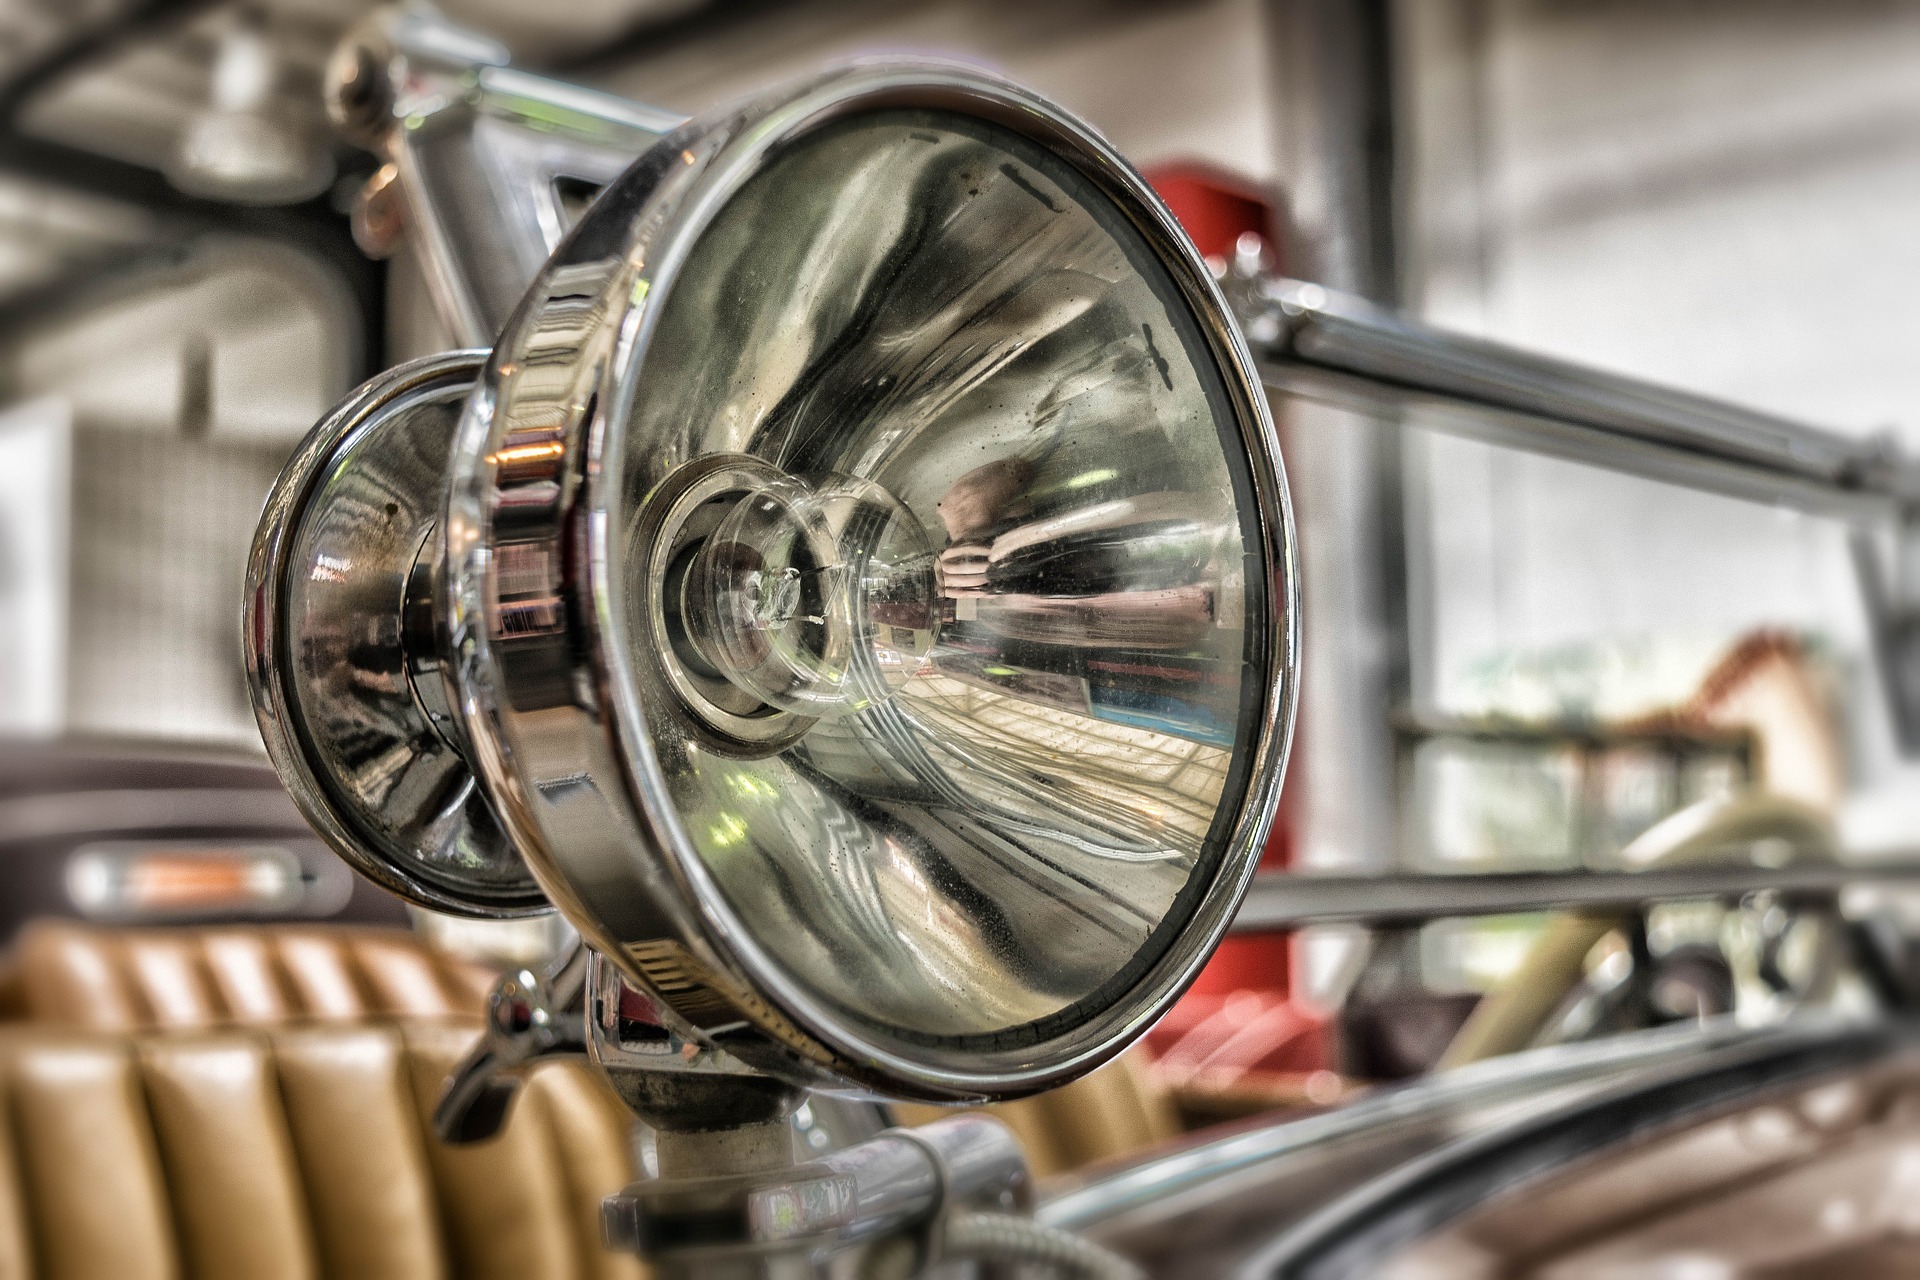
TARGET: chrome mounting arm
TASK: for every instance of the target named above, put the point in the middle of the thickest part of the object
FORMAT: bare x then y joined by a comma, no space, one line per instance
531,1018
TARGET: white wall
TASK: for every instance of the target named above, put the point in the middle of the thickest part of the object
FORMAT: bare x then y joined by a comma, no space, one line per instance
186,389
36,468
277,333
1721,195
1167,79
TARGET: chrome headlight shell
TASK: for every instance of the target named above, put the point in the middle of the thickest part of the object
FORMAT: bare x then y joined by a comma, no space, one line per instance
866,589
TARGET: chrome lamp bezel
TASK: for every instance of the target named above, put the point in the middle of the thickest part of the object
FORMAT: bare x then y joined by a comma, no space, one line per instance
558,732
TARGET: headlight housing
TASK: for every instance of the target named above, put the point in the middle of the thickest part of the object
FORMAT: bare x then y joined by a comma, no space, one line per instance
864,594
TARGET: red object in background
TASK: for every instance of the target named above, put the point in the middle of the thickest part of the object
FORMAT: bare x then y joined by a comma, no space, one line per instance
1214,207
1249,1034
1240,1014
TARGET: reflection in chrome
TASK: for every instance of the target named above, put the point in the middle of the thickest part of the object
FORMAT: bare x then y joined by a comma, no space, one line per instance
1156,789
997,799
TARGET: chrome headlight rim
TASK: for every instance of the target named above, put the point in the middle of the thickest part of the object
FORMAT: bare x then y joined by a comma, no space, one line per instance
266,637
666,923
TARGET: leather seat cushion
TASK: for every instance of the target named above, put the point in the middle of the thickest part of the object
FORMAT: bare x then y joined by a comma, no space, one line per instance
82,975
293,1152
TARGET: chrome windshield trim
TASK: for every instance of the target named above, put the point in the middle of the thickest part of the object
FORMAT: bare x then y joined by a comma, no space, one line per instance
1192,1174
1363,1228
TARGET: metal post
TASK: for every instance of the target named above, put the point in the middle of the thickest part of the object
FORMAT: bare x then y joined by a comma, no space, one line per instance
1334,127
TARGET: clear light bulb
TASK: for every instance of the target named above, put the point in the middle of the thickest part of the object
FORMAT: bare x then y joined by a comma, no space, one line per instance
816,596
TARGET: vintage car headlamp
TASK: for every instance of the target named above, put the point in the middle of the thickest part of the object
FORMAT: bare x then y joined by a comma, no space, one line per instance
859,592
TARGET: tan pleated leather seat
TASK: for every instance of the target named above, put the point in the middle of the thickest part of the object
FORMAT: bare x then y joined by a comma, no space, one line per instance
111,979
293,1152
248,1103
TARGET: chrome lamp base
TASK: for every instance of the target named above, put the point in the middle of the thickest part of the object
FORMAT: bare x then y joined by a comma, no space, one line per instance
731,1195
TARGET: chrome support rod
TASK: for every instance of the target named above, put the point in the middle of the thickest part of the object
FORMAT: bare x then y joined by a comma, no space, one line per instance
1331,347
765,1214
1281,901
484,162
1558,407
